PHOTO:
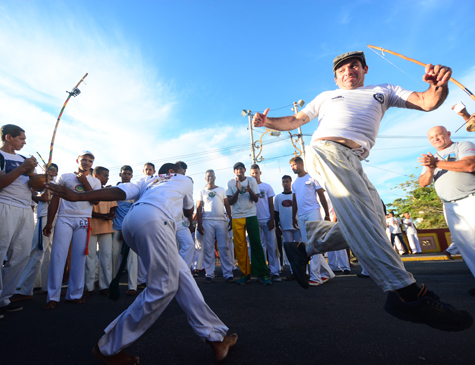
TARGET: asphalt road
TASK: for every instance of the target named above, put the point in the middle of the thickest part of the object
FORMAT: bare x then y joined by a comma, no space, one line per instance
340,322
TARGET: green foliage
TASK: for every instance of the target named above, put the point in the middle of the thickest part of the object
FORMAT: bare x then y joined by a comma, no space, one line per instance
420,203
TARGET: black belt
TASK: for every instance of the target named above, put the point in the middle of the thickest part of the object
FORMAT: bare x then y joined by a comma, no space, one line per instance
341,144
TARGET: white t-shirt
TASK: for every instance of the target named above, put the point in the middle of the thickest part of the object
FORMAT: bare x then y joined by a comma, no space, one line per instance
18,193
76,209
283,205
305,190
408,224
168,192
394,225
354,114
213,203
245,206
262,205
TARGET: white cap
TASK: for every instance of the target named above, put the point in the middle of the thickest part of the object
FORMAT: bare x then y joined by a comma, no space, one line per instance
86,152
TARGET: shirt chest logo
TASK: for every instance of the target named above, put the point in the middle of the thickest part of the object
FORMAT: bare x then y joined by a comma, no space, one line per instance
379,98
79,188
262,194
212,194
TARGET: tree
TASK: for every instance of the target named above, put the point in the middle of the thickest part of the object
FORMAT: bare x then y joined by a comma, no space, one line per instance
420,203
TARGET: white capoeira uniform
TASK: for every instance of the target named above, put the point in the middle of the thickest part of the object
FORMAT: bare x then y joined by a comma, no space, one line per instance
453,249
215,226
283,206
70,229
149,229
184,240
231,247
411,234
38,263
268,241
337,260
457,191
355,115
16,228
305,190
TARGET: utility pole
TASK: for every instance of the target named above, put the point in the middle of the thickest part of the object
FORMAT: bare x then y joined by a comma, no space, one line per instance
248,113
295,109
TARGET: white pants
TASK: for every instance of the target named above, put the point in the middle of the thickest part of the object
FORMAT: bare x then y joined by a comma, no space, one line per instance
461,222
104,243
38,264
198,254
338,260
219,230
361,222
152,235
231,248
270,248
318,266
16,233
68,231
453,249
411,234
185,244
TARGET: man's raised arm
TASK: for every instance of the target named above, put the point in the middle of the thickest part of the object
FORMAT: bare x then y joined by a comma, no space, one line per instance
107,194
437,77
281,123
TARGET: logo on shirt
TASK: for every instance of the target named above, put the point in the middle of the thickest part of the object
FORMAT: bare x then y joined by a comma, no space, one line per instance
243,190
338,97
262,194
379,98
79,188
286,203
212,194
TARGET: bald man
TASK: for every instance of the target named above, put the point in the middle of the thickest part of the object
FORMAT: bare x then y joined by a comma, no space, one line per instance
452,169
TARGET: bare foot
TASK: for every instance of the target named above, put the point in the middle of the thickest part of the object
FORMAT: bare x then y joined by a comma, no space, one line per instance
75,301
118,359
50,305
20,298
221,348
131,293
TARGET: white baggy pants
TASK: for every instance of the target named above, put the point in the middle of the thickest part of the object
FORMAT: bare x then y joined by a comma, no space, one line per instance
185,243
216,229
318,266
104,243
152,235
68,231
361,222
16,233
270,248
411,234
461,222
132,261
38,264
338,260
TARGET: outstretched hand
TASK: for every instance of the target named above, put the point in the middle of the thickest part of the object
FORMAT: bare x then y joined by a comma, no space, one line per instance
259,119
437,75
63,192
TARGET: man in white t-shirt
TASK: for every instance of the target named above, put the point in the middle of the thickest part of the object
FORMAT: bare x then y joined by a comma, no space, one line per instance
349,119
452,169
265,218
394,226
411,233
305,190
242,194
149,229
72,229
16,216
212,224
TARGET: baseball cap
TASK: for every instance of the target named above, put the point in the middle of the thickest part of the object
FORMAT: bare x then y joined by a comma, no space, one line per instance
238,164
355,54
86,152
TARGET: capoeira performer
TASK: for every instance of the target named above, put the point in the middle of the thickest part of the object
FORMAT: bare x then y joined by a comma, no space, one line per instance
16,217
38,263
265,218
411,233
349,119
212,224
306,208
394,226
452,169
71,228
283,217
149,230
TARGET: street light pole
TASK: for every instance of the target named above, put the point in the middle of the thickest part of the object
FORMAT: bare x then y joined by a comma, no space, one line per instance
295,109
248,113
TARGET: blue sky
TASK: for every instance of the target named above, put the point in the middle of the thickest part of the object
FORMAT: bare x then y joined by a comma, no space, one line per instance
169,79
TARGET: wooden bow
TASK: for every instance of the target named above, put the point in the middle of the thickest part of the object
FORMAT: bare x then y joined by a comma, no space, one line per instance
423,64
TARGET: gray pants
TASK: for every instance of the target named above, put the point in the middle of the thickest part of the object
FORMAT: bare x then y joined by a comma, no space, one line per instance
361,222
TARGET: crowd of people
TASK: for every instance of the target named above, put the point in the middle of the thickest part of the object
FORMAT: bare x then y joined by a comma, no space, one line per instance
326,208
